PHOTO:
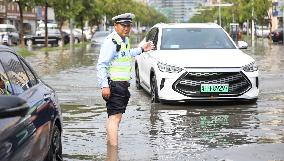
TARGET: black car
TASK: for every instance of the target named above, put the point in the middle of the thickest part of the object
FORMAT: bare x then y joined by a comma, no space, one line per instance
54,38
277,35
30,115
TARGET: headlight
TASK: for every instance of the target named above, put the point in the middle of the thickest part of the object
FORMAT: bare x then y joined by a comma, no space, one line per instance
168,68
251,67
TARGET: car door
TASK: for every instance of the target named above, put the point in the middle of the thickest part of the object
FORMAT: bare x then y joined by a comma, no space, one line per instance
146,58
43,103
21,130
31,140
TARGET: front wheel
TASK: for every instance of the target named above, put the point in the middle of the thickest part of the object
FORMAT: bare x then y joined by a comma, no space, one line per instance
154,90
55,148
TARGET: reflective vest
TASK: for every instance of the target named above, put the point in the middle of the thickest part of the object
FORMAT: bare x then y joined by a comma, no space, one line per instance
120,68
5,90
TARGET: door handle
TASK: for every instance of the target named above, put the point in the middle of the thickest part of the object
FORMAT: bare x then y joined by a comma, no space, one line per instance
46,97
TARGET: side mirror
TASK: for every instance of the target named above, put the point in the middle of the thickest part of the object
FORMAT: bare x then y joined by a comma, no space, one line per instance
242,45
11,106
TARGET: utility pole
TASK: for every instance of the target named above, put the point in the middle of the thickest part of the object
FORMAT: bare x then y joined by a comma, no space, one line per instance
283,21
71,27
45,24
219,5
220,19
252,23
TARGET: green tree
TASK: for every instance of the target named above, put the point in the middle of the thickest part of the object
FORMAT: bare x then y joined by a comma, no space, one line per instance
92,12
240,12
144,14
44,3
22,4
65,10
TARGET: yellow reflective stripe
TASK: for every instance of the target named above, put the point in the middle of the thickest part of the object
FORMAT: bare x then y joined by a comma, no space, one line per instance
7,84
120,74
123,47
120,69
128,46
122,61
120,78
1,91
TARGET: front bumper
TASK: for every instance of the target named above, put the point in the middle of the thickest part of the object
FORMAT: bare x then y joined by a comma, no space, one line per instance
185,86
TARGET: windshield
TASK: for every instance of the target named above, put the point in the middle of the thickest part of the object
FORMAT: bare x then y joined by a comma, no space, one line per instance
195,38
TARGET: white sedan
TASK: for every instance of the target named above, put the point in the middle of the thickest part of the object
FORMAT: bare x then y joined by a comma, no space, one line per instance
195,62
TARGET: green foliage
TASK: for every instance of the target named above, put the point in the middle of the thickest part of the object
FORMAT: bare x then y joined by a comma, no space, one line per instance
241,11
24,52
93,11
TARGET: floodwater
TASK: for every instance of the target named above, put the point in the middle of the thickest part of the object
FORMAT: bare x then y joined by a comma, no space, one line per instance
148,131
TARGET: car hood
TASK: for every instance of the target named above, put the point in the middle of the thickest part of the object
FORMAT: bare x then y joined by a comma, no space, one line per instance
203,57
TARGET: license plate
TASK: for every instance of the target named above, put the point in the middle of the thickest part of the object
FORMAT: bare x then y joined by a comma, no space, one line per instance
214,88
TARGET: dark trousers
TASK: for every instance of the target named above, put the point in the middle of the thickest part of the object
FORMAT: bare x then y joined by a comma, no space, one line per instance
119,97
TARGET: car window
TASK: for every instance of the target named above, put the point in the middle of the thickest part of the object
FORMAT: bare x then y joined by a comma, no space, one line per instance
195,38
3,80
155,39
151,34
32,78
16,74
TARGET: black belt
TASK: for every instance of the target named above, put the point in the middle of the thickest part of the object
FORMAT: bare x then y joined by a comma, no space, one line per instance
124,83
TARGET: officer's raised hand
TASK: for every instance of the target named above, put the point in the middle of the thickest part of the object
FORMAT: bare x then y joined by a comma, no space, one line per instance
148,46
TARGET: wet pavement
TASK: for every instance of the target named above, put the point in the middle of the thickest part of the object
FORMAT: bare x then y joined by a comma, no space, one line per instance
148,131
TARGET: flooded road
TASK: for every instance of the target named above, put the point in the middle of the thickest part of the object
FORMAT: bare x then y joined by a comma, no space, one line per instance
166,132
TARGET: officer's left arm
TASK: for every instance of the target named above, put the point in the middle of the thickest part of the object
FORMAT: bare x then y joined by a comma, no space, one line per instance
131,52
106,55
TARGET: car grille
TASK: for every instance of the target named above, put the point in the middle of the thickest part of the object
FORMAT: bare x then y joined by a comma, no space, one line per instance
189,83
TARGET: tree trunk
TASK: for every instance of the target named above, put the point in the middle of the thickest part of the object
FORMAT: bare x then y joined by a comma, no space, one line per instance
82,27
60,29
45,25
22,41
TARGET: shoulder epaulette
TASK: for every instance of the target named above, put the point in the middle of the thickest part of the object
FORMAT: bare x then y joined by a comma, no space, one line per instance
118,46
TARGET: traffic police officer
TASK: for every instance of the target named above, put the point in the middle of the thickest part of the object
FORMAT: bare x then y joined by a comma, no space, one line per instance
114,69
4,86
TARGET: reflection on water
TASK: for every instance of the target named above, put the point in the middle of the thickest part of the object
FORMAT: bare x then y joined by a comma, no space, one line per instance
153,131
59,60
269,58
193,130
170,132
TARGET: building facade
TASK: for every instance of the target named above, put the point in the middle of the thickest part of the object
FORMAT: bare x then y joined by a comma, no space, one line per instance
3,12
177,10
277,14
13,17
10,14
